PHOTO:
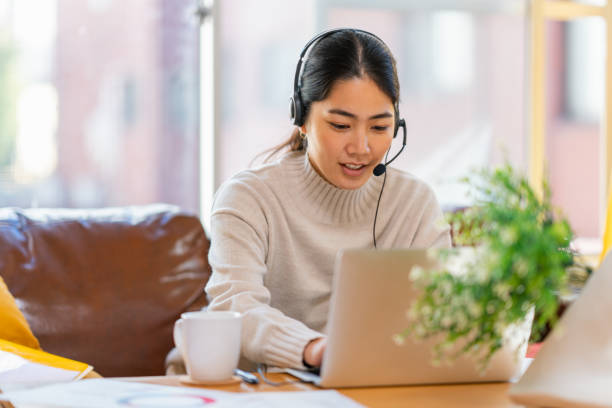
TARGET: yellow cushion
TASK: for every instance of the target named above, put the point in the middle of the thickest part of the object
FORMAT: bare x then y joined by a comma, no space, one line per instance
13,325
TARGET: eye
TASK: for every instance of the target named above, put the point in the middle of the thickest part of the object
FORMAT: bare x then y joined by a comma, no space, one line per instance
339,126
380,128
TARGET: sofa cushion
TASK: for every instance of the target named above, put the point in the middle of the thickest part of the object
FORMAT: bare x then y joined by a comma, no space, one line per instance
105,286
13,326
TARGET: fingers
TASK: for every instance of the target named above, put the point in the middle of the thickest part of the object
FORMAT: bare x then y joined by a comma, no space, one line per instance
313,352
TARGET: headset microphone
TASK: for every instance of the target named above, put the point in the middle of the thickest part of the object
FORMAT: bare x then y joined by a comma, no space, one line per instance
380,169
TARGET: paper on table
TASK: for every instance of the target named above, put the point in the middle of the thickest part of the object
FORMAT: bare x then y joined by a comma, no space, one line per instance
15,369
298,399
23,366
104,393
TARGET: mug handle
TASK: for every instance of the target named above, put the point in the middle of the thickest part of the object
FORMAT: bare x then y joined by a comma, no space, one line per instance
177,335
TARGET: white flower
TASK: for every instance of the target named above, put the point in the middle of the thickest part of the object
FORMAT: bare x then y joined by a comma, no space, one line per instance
426,311
480,273
446,322
445,288
417,273
508,236
521,267
420,331
502,290
462,321
475,309
412,313
500,326
398,339
432,253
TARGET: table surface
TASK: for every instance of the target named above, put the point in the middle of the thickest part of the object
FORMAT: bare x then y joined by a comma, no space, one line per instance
490,395
456,395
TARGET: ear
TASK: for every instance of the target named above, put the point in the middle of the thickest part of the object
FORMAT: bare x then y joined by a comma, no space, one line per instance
303,129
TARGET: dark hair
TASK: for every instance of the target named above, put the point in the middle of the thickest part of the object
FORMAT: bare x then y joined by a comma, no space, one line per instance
342,55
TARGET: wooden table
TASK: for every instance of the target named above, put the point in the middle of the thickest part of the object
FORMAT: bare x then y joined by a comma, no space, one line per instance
490,395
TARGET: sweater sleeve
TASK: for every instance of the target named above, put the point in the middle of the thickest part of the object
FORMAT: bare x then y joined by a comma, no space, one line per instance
238,252
432,231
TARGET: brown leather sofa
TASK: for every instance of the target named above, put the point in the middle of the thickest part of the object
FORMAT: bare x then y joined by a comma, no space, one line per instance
105,286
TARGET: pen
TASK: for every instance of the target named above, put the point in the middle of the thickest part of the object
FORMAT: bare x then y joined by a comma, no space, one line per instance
246,377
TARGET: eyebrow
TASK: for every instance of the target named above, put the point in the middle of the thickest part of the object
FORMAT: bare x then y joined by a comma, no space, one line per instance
352,115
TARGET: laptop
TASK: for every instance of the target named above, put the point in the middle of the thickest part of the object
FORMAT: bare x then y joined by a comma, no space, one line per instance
574,365
371,294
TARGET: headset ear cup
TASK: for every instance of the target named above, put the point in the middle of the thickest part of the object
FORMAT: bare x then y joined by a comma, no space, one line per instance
396,124
297,110
292,109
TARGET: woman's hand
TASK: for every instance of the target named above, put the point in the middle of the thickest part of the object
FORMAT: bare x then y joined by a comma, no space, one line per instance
313,352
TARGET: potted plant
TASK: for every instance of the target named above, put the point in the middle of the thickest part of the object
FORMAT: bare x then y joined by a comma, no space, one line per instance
522,261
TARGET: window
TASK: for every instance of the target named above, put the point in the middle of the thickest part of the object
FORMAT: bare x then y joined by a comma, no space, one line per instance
462,71
584,74
568,62
575,99
99,103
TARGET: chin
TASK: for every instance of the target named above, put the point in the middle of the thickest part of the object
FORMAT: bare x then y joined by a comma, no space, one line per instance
345,184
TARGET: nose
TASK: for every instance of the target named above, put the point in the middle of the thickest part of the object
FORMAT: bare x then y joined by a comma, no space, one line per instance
359,143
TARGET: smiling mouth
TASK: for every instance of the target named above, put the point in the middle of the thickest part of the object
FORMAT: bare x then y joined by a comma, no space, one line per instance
353,166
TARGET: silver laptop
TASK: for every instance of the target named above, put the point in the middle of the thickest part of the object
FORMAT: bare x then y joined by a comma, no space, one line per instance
371,295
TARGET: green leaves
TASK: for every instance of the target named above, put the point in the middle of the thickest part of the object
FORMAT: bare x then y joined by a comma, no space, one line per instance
519,264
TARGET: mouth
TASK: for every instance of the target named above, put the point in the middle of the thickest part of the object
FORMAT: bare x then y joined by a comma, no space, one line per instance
353,169
354,166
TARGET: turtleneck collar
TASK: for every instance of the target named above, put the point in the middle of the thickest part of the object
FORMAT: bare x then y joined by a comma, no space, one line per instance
325,202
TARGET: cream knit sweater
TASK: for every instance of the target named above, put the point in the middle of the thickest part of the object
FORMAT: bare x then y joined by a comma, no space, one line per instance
275,232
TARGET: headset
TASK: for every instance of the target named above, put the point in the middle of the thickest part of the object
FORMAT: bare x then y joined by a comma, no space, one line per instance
297,107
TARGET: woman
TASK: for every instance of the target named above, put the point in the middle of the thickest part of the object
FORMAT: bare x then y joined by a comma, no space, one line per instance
276,229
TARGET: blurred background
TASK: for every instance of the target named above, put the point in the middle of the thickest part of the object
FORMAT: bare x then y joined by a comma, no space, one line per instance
110,102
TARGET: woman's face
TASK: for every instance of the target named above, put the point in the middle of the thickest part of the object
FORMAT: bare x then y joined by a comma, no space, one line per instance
349,132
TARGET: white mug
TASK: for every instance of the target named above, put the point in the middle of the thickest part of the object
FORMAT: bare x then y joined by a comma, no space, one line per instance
209,342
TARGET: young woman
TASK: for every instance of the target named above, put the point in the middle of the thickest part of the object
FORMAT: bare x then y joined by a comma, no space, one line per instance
276,229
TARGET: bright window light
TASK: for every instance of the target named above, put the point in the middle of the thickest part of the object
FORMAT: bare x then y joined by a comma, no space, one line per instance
585,59
36,129
453,49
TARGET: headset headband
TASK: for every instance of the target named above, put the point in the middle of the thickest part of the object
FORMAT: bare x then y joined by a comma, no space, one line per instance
296,107
320,36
